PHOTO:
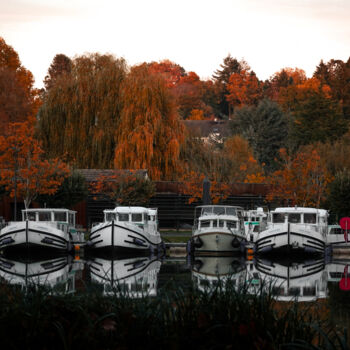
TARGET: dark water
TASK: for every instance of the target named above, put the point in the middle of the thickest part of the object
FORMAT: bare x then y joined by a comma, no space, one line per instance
305,279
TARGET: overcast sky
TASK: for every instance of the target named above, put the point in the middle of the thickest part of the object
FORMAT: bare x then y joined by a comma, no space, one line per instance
196,34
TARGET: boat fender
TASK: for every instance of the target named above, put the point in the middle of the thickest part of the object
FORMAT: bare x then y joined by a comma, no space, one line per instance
197,242
236,243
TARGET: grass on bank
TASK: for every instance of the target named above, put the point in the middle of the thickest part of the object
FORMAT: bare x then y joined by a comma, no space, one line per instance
225,317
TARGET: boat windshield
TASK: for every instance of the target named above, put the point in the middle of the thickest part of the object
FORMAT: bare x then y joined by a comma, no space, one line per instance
294,218
44,216
217,210
60,216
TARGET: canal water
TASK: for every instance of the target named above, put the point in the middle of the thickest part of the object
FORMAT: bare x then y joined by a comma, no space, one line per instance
307,280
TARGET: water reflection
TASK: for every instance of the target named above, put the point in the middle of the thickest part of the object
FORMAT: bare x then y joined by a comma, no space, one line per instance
134,277
208,272
57,272
305,279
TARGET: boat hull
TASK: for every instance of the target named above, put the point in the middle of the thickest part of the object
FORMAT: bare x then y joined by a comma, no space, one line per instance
290,238
217,242
118,237
33,235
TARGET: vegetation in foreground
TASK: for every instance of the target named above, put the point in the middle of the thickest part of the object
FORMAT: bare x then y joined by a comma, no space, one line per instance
223,318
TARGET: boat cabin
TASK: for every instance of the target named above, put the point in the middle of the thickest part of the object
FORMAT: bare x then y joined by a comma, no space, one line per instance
309,216
62,216
136,215
218,216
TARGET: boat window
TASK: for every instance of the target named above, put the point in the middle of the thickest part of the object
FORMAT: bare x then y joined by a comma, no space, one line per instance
145,218
207,211
205,223
60,216
310,218
335,231
309,291
278,218
31,216
151,218
294,218
294,291
231,211
71,218
123,217
221,223
256,228
136,217
231,224
215,223
44,216
110,216
219,210
277,291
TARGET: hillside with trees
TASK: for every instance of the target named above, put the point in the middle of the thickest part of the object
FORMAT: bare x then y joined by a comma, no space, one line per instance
290,131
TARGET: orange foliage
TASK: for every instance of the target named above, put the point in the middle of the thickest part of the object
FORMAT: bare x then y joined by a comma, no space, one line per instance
243,89
244,165
196,114
18,98
149,132
24,172
170,71
126,188
192,185
292,94
302,181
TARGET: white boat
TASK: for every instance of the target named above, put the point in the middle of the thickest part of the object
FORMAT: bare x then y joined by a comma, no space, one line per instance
254,223
336,237
134,277
127,229
41,228
295,229
217,229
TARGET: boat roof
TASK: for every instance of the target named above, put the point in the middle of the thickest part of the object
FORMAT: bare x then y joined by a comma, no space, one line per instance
127,210
49,210
222,206
299,210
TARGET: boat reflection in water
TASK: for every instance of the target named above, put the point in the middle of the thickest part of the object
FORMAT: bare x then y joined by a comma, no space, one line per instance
133,277
56,272
209,271
304,280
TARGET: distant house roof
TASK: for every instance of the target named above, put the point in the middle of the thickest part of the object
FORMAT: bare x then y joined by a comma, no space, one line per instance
206,128
93,174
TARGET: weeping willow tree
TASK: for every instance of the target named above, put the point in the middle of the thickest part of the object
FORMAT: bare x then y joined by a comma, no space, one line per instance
149,133
81,111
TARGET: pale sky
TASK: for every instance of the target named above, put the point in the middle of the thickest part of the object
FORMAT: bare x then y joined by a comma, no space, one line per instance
196,34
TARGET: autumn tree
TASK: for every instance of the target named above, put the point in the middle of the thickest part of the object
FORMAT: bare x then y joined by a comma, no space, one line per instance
221,78
243,89
336,74
125,188
72,190
81,111
190,95
265,127
24,171
170,71
60,66
149,133
18,97
303,179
